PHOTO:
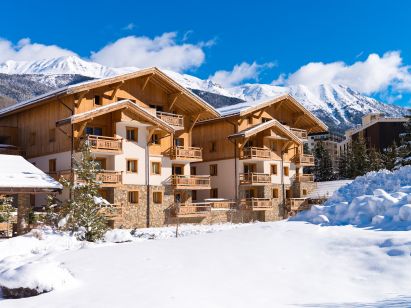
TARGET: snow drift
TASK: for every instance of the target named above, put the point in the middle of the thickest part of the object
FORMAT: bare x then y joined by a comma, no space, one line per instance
379,199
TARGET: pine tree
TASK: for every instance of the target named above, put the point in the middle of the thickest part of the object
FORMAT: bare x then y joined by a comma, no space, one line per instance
360,163
6,208
51,217
390,156
83,211
376,160
323,169
343,165
405,146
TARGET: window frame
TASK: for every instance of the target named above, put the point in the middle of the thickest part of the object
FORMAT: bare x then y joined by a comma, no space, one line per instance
152,168
213,168
135,196
136,165
157,193
135,131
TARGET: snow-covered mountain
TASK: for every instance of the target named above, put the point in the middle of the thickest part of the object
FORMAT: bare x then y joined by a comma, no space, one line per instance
338,106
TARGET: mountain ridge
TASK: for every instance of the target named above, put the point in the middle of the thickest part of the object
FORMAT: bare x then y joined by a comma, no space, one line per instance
339,107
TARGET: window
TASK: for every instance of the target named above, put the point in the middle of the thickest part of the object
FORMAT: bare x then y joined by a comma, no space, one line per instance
286,171
133,197
178,198
132,134
155,139
179,142
273,169
178,169
194,195
155,167
263,120
52,134
213,193
213,170
97,131
273,146
288,193
248,168
193,170
156,107
213,146
249,193
97,100
101,163
132,165
304,192
157,197
275,193
32,139
52,165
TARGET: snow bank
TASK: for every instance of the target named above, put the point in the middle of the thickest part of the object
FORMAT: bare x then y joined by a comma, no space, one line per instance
118,236
379,199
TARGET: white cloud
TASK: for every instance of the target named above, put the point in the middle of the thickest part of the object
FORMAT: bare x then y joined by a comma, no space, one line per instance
162,51
24,50
240,73
375,74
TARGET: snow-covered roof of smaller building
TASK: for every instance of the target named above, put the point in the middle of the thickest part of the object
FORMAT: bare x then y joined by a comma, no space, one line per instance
326,189
17,175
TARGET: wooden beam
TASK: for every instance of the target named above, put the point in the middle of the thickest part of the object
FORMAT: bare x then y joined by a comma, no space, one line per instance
151,130
146,80
298,119
278,105
79,132
115,89
286,145
63,131
172,99
80,98
244,142
197,116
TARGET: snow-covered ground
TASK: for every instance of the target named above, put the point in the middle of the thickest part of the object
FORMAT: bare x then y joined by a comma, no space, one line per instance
349,261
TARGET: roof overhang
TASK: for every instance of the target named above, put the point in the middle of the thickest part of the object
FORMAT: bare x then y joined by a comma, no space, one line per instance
120,105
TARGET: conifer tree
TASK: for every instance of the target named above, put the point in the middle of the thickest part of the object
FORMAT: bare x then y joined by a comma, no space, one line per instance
360,164
83,211
390,156
344,171
405,146
376,161
323,169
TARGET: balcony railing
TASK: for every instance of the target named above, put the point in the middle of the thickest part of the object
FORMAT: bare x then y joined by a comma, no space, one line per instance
190,181
304,178
109,178
300,133
186,153
296,204
191,209
256,153
255,204
304,159
105,144
112,211
254,178
171,118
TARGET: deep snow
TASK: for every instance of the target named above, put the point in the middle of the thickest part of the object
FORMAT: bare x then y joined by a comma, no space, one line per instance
258,265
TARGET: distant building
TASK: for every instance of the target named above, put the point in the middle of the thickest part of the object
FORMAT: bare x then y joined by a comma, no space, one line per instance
330,142
377,130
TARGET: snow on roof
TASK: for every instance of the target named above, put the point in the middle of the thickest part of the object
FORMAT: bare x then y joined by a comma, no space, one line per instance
326,189
18,174
237,108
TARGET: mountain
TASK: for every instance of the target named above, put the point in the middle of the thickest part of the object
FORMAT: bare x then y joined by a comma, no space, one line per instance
336,105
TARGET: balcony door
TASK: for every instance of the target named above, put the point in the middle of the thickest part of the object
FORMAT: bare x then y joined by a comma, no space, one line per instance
101,162
179,142
250,168
250,193
96,131
178,170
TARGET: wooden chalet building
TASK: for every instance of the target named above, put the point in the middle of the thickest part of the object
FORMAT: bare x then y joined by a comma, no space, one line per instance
254,155
140,128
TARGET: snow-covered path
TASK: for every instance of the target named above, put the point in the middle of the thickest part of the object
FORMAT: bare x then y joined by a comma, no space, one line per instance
260,265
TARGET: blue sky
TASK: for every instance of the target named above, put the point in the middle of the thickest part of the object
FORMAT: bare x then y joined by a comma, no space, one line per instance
272,40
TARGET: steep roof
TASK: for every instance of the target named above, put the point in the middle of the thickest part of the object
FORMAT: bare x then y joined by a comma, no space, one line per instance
244,109
17,175
253,130
123,104
170,84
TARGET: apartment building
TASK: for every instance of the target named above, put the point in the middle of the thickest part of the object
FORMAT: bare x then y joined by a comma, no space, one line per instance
254,155
377,130
139,126
330,142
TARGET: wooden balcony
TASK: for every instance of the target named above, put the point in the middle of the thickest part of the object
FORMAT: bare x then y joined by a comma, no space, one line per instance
190,181
112,211
191,209
105,144
254,178
172,119
256,204
109,178
300,133
304,160
256,153
190,154
222,205
297,204
304,178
